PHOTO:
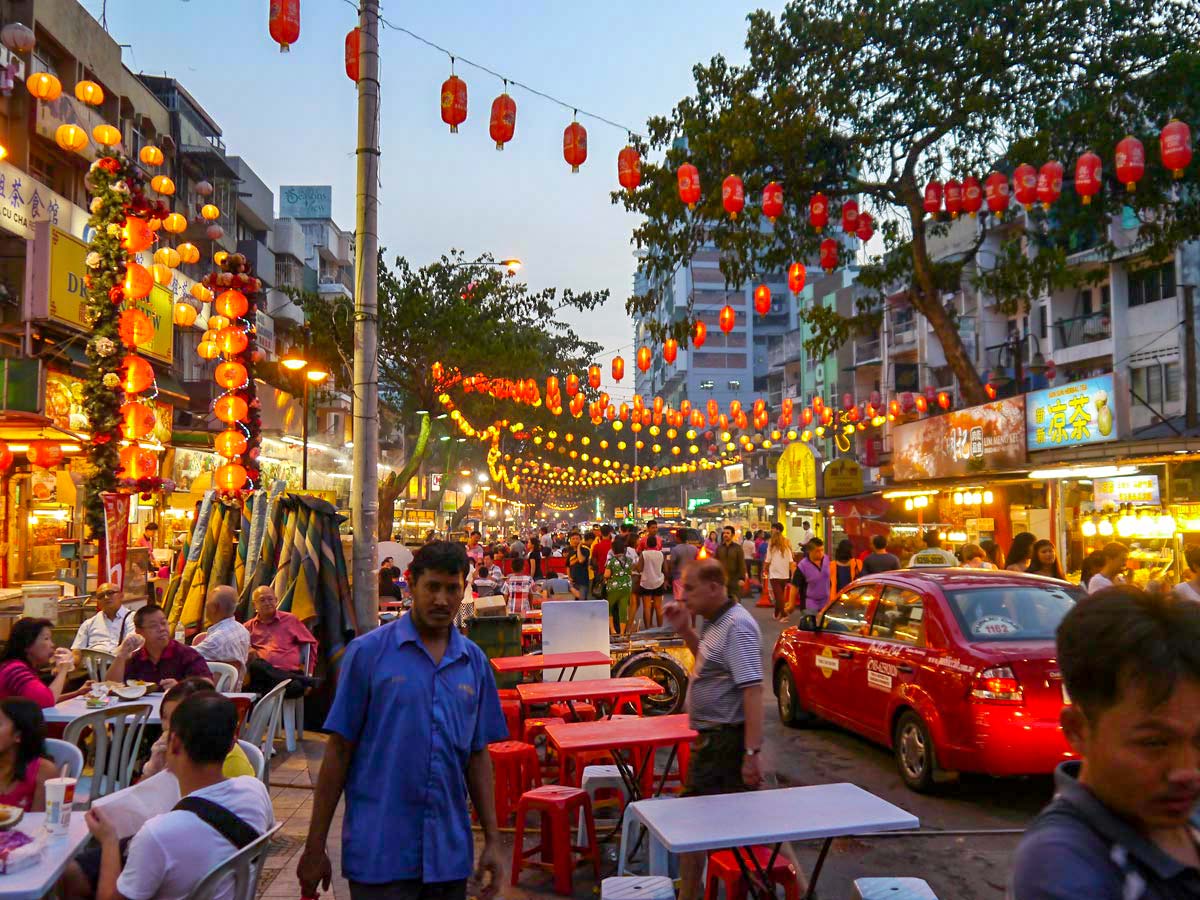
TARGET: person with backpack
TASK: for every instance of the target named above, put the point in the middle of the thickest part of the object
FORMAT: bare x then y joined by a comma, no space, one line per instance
812,580
618,583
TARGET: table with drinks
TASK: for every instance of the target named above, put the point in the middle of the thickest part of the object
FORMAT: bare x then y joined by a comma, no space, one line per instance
56,836
67,711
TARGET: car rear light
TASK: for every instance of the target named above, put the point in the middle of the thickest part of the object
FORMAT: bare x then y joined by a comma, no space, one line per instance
998,684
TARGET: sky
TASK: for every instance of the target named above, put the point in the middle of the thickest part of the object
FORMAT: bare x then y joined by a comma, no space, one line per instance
293,116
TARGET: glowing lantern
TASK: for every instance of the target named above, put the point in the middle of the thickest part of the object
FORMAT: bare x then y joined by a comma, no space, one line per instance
866,226
163,185
594,377
44,86
89,93
575,145
208,350
1049,184
954,197
922,403
1175,145
230,408
71,138
933,198
818,211
44,453
829,254
150,155
943,400
733,195
454,102
1025,182
284,21
1130,161
618,368
232,341
796,276
138,374
353,51
504,120
167,256
106,135
688,177
850,216
762,299
137,420
230,375
1087,176
209,212
772,201
670,349
162,274
232,304
643,358
220,256
727,318
230,443
188,253
184,315
972,195
699,334
215,323
230,477
175,223
6,457
138,281
996,190
629,169
134,327
136,235
572,385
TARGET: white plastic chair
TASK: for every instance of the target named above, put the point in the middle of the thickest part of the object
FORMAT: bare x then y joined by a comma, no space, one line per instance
893,889
595,779
117,736
244,867
97,663
293,707
63,754
226,675
257,760
263,723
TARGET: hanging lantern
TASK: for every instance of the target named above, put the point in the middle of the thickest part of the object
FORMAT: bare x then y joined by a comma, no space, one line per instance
943,400
188,254
796,275
208,350
284,21
643,358
89,93
850,216
215,323
922,404
504,120
106,135
220,256
230,408
1049,184
1088,171
150,155
829,254
762,299
572,385
1025,182
184,315
163,185
138,374
162,274
175,223
44,86
137,420
353,52
670,350
594,377
733,195
575,145
688,177
232,304
972,195
209,212
933,198
203,188
214,232
954,197
866,226
818,211
138,281
1175,146
167,256
772,201
136,235
699,334
230,443
996,189
454,103
45,454
230,375
230,477
71,138
1130,162
727,318
201,293
618,368
19,39
629,168
134,327
232,341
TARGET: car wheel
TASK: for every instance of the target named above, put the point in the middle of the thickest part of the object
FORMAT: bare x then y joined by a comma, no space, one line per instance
915,757
790,711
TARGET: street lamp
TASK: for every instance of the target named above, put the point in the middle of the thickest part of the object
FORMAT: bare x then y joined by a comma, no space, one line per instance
512,264
294,360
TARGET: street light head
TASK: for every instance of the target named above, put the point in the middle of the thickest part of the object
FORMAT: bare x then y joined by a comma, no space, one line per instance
513,265
316,373
293,361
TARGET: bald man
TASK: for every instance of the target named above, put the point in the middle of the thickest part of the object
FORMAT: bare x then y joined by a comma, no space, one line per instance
227,641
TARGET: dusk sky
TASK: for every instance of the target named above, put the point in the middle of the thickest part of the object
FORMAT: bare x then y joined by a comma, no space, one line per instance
292,116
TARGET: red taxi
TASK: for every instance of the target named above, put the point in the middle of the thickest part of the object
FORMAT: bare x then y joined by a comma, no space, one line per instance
954,669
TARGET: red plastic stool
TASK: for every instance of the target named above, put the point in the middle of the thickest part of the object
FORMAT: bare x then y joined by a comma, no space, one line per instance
559,807
723,869
628,700
584,712
516,769
512,715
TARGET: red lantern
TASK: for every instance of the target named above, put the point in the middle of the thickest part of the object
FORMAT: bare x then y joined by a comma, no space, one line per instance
829,254
727,318
594,377
504,120
990,390
1087,176
618,368
232,304
575,145
933,198
572,385
629,169
972,195
230,408
138,281
138,462
996,188
285,23
551,385
699,334
689,184
136,235
576,405
762,299
1175,145
643,358
1130,162
806,416
922,403
138,374
45,454
866,226
943,400
454,103
954,197
670,349
733,195
137,421
659,404
1025,182
818,211
134,327
353,51
230,477
230,443
230,375
796,276
772,201
232,340
1049,184
850,216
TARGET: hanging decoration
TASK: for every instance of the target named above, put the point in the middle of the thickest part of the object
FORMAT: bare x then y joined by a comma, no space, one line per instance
996,190
733,195
866,226
796,276
688,177
594,377
353,52
44,86
727,318
762,299
670,350
618,368
504,119
1087,176
1130,162
1024,185
829,254
89,93
850,216
954,197
643,358
818,212
1175,147
772,201
699,334
629,168
454,101
933,198
575,145
1049,183
284,23
972,195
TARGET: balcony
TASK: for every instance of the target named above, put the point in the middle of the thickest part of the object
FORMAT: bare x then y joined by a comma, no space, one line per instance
867,351
904,333
787,350
330,287
1083,329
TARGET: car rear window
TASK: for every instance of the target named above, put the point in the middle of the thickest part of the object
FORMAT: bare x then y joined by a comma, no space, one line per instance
1016,613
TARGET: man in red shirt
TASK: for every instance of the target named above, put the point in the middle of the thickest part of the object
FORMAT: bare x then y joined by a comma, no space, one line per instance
276,638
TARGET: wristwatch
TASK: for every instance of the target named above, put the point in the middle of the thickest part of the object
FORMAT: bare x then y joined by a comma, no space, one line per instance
753,752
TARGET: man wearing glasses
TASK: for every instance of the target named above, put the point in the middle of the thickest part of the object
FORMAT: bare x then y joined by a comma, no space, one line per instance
108,627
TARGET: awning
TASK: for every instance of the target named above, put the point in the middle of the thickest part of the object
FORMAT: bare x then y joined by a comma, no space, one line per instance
18,427
169,386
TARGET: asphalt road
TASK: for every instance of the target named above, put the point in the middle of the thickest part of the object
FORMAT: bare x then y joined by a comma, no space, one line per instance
971,867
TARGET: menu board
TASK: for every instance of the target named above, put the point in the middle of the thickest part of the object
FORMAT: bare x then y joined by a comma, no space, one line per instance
971,441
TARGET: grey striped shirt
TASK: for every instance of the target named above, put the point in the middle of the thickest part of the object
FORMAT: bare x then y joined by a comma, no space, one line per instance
729,661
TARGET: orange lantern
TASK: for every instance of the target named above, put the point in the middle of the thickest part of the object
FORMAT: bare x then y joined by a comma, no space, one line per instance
230,408
208,350
618,368
106,135
188,254
151,155
829,254
1175,147
796,276
772,201
44,86
733,195
220,256
230,443
232,340
184,314
45,454
762,299
504,120
284,21
629,169
572,385
232,304
818,212
167,256
643,358
89,92
230,375
727,318
163,185
699,334
162,274
688,177
575,145
137,420
200,292
1087,176
175,223
209,212
670,349
135,327
215,323
138,374
136,235
230,477
71,138
454,102
594,377
138,281
353,51
1130,162
943,400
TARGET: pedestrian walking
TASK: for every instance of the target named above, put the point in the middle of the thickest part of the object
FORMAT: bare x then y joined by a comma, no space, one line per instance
845,567
806,534
516,588
686,550
651,581
933,554
812,579
778,569
748,551
618,584
733,562
1116,555
879,560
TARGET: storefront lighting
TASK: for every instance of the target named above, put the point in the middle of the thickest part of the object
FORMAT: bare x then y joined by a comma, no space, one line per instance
988,497
1082,472
1105,528
957,537
900,495
1088,528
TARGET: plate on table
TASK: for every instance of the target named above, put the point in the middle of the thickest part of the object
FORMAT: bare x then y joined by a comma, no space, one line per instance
10,816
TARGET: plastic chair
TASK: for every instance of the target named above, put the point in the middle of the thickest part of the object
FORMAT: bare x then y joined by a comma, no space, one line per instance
293,707
264,720
117,736
516,769
61,753
723,869
659,860
602,778
226,675
245,867
557,805
632,887
244,705
257,760
512,717
584,712
97,663
893,889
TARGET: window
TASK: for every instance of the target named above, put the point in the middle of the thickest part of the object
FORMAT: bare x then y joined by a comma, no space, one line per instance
848,614
1011,613
900,616
1152,284
706,385
1173,382
1043,322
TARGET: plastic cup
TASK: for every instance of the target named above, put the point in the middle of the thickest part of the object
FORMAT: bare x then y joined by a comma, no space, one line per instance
60,796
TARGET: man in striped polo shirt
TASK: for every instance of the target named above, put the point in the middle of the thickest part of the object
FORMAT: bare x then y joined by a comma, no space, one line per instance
724,697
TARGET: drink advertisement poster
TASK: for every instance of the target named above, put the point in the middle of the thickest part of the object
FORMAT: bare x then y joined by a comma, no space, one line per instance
1071,415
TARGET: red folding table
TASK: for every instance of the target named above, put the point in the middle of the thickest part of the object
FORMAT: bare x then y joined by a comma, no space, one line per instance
611,689
537,662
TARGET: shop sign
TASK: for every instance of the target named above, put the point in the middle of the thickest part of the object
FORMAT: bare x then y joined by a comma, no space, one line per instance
25,201
984,438
735,474
435,482
620,512
1071,415
64,402
116,537
728,494
695,503
305,201
1137,490
796,473
264,328
671,512
843,476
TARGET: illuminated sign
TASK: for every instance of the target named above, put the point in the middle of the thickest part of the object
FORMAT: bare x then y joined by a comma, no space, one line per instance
1071,415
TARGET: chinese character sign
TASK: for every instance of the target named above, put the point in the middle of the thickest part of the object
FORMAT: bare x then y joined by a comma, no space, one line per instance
1071,414
971,441
1135,490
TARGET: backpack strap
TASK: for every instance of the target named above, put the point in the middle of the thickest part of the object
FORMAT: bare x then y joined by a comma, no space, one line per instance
230,826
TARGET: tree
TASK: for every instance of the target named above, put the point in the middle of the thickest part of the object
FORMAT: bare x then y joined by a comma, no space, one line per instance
870,99
467,315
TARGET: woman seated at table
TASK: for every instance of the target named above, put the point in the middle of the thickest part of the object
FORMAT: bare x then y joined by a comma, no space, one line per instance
23,764
236,763
31,648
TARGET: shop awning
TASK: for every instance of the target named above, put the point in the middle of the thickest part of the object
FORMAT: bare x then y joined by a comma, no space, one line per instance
169,387
18,427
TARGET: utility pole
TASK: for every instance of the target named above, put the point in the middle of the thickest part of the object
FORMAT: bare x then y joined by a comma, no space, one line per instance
364,515
1191,415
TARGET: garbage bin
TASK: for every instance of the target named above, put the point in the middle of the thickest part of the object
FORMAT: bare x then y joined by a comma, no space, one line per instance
497,636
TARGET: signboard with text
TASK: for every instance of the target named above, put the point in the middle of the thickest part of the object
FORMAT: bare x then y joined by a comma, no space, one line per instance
1136,490
843,476
985,438
796,473
305,201
1071,415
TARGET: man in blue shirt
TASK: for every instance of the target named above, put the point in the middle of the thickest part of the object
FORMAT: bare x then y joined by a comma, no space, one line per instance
419,688
1124,822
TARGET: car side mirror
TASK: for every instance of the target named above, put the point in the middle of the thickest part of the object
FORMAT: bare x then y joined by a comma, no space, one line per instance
808,622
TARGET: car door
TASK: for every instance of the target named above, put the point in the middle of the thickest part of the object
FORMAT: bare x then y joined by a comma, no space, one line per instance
894,658
839,652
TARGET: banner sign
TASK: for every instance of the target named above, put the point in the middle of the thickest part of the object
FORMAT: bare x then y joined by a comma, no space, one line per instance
1137,490
796,473
116,538
305,201
1071,415
985,438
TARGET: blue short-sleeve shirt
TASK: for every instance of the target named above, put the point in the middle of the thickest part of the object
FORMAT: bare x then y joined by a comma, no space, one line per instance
414,724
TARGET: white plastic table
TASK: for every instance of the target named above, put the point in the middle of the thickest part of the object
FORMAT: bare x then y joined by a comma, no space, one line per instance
70,710
36,881
739,821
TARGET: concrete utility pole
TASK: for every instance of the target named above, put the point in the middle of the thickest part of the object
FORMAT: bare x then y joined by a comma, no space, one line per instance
1191,414
364,489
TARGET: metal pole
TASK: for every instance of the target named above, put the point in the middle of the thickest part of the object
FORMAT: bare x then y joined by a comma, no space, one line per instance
365,486
304,438
1191,413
